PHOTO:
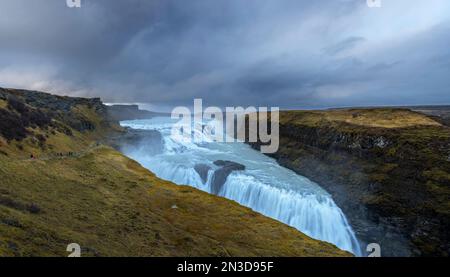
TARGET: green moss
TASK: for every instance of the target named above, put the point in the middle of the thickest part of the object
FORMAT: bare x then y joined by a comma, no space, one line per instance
3,104
438,175
379,178
388,167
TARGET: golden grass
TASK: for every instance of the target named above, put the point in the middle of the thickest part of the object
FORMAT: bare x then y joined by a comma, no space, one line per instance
380,118
3,104
87,113
112,206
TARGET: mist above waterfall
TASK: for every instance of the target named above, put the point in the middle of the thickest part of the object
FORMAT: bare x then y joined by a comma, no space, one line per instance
253,180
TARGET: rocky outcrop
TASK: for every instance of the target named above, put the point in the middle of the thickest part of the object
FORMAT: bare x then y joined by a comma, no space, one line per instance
53,102
220,175
33,108
129,112
202,170
392,183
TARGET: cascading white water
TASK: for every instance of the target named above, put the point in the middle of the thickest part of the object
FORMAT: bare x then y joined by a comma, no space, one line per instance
263,186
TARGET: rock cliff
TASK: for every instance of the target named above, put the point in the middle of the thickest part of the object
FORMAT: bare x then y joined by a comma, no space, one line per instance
388,169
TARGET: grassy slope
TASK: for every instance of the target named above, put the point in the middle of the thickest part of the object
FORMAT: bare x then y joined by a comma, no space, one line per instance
112,206
407,180
371,118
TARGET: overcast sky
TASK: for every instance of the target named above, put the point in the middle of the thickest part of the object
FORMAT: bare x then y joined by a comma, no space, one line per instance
287,53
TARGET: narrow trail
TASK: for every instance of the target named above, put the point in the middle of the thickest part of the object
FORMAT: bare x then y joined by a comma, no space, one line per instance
63,155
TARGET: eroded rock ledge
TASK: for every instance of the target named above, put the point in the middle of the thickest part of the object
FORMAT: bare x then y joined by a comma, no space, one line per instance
392,181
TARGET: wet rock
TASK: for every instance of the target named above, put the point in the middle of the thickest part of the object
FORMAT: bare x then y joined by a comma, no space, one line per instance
202,170
220,175
229,164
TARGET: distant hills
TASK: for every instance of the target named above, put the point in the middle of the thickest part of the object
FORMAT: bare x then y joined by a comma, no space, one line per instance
130,112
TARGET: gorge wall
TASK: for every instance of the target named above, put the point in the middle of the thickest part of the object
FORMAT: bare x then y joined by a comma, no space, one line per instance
388,169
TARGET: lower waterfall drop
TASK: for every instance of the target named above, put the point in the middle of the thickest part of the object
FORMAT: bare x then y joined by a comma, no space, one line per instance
263,185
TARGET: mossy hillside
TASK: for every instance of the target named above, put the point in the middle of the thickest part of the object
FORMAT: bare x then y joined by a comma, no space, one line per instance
74,189
27,110
112,206
47,125
394,163
3,104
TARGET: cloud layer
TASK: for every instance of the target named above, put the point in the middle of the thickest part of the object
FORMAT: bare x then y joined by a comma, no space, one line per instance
287,53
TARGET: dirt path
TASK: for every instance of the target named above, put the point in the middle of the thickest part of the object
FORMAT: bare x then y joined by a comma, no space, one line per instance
64,155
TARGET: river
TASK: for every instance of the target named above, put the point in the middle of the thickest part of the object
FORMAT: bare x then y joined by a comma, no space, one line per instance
263,186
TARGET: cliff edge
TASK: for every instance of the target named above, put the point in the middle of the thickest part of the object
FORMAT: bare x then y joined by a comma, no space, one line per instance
387,168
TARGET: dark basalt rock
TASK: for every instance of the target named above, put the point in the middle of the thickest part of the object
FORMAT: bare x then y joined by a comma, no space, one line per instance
18,118
202,170
390,183
37,109
229,164
220,175
52,102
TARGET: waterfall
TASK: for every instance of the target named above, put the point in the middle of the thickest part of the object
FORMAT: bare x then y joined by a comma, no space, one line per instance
263,186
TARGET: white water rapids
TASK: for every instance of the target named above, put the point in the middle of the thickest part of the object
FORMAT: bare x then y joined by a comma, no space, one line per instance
263,186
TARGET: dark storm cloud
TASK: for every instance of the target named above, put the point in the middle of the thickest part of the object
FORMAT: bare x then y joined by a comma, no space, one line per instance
346,44
289,53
